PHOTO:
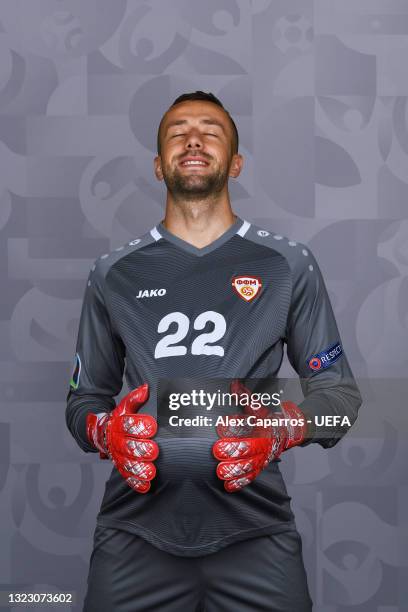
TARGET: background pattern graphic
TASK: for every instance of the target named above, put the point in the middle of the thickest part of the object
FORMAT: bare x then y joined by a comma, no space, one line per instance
319,91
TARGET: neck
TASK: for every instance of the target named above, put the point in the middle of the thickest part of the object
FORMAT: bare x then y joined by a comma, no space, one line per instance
199,222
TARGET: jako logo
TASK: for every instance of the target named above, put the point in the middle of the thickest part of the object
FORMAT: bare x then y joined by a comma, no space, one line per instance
150,293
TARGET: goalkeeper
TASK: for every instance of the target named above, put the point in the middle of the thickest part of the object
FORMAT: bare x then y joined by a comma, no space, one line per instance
199,524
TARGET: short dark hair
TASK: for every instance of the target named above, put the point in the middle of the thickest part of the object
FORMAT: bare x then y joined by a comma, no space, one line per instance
206,97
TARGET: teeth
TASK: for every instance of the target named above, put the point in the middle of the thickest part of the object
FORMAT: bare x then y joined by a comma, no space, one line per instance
193,163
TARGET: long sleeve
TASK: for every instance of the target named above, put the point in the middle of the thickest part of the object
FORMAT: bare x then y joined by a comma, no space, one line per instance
315,351
97,375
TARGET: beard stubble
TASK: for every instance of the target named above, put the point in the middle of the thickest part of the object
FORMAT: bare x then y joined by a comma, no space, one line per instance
195,186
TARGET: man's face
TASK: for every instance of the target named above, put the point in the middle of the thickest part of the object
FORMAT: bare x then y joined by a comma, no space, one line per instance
196,150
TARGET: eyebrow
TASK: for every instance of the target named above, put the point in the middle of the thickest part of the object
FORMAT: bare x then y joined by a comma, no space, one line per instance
205,121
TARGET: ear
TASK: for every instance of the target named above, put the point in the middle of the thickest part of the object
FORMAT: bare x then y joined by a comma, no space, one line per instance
236,164
158,168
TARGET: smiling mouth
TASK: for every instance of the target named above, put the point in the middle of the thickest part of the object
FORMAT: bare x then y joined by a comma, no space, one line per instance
189,163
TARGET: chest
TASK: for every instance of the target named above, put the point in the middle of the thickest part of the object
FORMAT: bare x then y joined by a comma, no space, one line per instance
200,310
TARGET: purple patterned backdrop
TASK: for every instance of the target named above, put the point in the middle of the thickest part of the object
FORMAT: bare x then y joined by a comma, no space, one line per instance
319,90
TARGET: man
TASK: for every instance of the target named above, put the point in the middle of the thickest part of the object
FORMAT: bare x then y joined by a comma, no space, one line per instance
201,522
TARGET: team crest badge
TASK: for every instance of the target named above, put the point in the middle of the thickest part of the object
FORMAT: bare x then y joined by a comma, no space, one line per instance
247,287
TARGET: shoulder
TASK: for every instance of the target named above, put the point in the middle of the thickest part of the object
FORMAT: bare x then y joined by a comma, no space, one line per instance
298,255
104,263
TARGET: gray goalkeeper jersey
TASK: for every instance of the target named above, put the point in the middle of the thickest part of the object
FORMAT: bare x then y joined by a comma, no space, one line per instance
160,308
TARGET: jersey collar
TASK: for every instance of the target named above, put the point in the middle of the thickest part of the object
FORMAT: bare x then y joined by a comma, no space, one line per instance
240,227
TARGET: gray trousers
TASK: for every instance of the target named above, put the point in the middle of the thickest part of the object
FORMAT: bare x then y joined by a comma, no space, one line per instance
127,574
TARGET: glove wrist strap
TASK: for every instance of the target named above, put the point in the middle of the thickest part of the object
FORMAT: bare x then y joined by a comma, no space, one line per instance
96,431
296,433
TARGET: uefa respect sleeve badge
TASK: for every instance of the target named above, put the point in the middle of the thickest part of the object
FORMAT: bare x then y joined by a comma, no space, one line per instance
325,358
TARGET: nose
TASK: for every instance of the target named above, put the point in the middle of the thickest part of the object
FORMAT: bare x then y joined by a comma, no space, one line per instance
194,140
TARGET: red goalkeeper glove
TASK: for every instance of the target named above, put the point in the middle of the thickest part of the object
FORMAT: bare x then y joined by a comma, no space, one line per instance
244,449
124,437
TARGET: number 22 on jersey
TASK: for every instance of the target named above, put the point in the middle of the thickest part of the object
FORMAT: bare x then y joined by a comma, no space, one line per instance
169,345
